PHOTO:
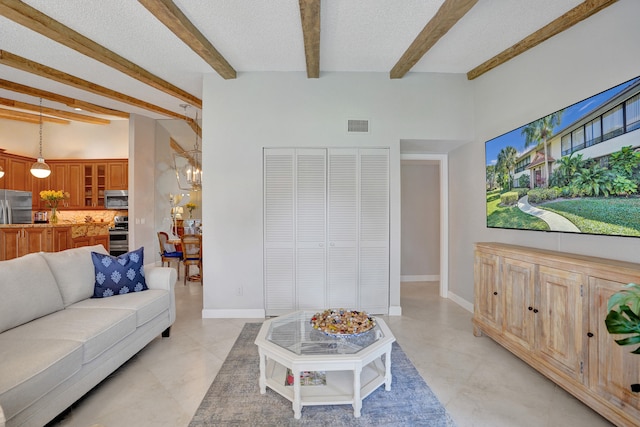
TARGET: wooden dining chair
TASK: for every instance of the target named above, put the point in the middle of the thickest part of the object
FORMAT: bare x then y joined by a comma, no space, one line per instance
168,252
192,255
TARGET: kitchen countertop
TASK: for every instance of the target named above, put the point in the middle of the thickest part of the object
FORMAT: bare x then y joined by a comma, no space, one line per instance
79,229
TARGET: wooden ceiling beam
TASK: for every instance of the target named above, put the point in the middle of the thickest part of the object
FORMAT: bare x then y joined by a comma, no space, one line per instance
194,126
175,146
445,18
70,102
37,21
172,17
310,17
20,63
29,118
568,20
54,112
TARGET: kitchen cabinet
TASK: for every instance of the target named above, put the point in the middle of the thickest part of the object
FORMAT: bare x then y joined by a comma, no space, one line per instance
103,240
61,239
18,241
75,180
37,185
68,177
18,175
94,184
548,308
84,180
118,175
15,180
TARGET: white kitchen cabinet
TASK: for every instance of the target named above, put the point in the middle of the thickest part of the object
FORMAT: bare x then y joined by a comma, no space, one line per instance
326,229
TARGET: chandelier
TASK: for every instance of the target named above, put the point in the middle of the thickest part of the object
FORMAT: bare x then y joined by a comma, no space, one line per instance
40,169
188,164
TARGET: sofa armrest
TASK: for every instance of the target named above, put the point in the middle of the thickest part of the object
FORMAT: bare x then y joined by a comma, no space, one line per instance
163,278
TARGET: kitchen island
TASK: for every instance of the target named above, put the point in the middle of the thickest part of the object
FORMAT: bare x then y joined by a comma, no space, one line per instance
20,239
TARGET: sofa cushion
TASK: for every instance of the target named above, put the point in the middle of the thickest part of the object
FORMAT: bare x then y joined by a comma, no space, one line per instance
28,290
74,272
96,329
32,368
118,275
147,304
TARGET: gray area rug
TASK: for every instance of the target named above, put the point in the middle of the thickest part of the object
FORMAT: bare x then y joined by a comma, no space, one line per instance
234,397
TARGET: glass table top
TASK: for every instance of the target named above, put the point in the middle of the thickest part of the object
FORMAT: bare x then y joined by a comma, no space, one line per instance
295,333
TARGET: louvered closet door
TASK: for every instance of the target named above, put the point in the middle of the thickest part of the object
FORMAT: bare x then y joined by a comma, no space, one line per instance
374,230
279,236
342,227
311,191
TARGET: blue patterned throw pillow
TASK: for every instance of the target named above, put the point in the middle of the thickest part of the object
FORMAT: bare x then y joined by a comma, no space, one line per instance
118,275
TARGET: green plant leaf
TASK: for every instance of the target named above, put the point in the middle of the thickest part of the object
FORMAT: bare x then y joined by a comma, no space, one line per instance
633,317
618,324
629,340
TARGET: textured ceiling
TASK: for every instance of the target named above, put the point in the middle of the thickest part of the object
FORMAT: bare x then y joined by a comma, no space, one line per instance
260,35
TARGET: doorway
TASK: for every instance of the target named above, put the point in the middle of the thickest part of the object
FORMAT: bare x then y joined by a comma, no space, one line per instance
424,206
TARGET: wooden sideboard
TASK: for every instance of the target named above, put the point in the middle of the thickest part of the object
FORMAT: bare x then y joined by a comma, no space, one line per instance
548,308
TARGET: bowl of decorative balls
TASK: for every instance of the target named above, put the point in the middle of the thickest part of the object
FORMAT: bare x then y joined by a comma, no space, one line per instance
342,323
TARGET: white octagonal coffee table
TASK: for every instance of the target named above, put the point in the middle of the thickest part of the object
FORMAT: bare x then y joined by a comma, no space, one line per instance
349,367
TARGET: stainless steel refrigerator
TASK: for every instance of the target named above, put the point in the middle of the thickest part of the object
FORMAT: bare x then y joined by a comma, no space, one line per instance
15,207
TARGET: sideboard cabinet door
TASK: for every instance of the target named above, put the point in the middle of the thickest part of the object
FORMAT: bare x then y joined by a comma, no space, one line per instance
488,292
519,294
617,367
560,338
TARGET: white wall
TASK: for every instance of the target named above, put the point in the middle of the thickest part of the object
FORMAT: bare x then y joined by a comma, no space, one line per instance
76,140
141,183
258,110
420,245
588,58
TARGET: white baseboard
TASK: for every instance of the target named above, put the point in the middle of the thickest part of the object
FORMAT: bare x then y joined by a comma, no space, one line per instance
233,314
395,310
421,278
460,301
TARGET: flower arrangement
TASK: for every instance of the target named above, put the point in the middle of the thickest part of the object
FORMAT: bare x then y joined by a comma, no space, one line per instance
53,197
190,206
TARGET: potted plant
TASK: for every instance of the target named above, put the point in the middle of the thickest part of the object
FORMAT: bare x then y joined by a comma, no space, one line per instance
624,318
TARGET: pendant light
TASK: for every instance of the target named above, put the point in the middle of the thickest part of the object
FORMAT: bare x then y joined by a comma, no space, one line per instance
188,164
40,169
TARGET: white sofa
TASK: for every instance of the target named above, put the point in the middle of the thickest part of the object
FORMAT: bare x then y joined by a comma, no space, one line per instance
57,343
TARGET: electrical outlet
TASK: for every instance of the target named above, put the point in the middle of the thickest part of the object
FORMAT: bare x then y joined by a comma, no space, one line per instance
239,291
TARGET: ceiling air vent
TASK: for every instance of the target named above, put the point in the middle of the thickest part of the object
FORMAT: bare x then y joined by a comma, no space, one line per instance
357,126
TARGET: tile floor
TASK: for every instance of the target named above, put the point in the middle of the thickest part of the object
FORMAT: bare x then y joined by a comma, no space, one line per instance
479,382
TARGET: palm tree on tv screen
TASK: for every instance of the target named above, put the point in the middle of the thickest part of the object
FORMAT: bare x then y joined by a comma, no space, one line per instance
506,162
538,132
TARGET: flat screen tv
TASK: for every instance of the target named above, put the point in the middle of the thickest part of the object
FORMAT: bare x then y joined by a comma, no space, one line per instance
576,170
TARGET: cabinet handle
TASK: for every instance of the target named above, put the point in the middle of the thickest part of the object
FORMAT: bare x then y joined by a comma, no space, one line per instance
589,334
495,293
535,310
